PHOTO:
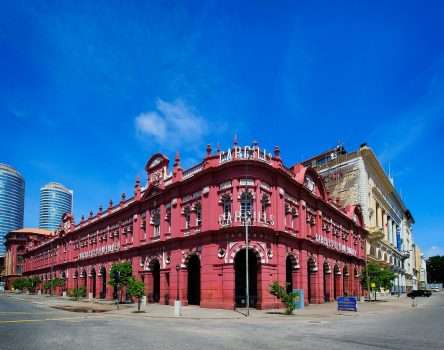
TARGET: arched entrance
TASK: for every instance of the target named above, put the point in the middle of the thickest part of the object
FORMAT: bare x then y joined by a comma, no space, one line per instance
155,271
290,264
103,275
240,277
336,281
327,275
63,276
93,281
76,276
83,280
345,276
193,268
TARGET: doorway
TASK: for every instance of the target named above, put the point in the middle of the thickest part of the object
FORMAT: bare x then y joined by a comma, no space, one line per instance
240,278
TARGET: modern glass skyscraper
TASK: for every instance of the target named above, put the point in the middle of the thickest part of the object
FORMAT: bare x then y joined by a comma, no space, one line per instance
55,200
12,202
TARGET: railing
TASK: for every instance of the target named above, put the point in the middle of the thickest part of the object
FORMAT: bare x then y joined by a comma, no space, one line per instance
192,171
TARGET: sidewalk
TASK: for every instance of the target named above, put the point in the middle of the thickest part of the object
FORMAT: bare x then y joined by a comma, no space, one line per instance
316,311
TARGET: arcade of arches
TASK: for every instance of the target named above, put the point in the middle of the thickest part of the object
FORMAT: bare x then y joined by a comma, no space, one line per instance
223,285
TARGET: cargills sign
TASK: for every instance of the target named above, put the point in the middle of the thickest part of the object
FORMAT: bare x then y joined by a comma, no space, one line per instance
111,248
329,243
246,152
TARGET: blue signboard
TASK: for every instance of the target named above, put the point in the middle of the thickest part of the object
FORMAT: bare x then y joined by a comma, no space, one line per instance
347,304
299,298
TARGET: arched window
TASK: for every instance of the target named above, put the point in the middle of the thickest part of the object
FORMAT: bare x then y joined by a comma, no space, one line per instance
187,216
155,221
226,209
246,205
168,217
265,203
198,210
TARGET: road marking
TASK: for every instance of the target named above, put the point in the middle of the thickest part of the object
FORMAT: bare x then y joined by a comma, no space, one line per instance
26,312
41,320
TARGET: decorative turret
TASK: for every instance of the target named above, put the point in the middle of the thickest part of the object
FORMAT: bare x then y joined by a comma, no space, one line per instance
208,150
137,188
157,169
177,169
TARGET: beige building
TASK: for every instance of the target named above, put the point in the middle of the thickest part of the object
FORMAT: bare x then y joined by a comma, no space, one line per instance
358,178
419,268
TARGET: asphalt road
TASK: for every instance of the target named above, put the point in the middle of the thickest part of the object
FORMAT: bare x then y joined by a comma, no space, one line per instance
26,325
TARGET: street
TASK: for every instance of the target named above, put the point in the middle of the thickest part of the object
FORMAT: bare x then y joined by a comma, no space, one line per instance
26,324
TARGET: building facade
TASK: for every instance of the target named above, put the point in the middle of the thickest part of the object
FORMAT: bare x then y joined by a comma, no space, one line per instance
55,200
184,234
12,202
16,242
419,268
357,178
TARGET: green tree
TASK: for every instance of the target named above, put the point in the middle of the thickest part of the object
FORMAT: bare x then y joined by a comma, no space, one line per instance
32,283
136,289
19,284
378,277
287,298
435,269
120,274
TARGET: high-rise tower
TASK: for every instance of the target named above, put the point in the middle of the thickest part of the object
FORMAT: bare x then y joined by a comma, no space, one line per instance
12,202
55,200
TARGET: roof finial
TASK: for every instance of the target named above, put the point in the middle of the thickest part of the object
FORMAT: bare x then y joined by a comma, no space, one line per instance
208,150
277,151
235,139
177,159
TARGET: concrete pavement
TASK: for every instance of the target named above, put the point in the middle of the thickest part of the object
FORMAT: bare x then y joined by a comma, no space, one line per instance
30,323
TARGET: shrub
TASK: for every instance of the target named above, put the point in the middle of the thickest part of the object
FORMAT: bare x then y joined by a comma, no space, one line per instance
19,283
32,283
136,289
287,298
77,293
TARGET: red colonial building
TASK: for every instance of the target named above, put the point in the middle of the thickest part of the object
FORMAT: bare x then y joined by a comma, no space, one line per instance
185,231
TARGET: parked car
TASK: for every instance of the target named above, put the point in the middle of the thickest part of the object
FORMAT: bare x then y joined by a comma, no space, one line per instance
419,293
435,289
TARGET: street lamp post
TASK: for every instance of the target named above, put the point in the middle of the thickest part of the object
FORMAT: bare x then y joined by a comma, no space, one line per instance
51,255
367,277
247,274
177,305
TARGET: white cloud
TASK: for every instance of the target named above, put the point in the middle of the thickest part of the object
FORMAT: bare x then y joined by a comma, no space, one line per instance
172,125
434,250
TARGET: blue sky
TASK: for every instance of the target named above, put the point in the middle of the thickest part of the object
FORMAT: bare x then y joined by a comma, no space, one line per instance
89,90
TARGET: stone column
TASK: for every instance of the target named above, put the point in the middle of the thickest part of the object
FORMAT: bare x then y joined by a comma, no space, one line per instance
165,294
304,274
148,281
228,286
